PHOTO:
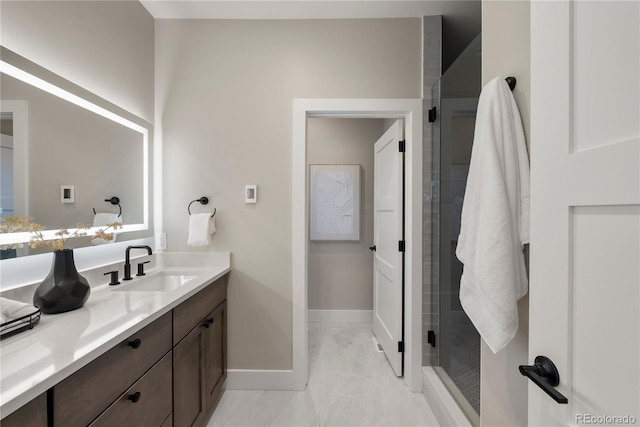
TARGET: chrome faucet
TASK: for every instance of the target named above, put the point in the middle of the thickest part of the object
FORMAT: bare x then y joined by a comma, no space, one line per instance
127,262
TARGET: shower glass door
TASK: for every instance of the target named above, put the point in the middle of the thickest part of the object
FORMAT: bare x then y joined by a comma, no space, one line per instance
459,341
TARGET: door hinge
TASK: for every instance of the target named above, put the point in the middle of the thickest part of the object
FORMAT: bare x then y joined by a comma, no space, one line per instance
431,338
432,115
400,347
401,246
402,146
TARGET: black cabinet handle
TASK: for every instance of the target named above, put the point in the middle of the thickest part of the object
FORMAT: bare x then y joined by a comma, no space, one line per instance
207,322
545,375
134,397
372,248
135,343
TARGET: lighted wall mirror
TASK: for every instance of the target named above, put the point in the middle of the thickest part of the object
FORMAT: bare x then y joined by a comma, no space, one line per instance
59,140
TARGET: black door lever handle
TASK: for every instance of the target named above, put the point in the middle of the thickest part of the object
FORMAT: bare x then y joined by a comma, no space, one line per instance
545,375
372,248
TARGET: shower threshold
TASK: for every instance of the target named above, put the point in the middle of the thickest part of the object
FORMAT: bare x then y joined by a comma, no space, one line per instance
448,403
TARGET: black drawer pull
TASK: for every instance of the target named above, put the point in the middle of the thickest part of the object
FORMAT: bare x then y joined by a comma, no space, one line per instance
135,343
134,397
207,323
545,375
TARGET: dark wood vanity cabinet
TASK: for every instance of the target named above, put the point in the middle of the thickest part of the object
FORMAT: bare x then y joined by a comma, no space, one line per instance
169,373
83,396
199,358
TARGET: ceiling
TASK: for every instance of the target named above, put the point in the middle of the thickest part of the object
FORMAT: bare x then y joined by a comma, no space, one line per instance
296,9
461,18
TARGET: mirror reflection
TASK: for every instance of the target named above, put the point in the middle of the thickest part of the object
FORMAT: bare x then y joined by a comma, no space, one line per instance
64,164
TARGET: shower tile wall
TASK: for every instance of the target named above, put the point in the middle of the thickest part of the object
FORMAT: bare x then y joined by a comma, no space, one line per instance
432,71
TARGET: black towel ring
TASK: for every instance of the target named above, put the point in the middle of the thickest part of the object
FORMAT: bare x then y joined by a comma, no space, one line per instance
203,201
114,201
511,81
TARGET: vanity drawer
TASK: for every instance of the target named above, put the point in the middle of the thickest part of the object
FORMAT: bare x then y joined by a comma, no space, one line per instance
80,398
147,403
188,315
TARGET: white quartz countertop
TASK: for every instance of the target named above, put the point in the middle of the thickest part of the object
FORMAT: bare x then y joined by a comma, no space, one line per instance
32,362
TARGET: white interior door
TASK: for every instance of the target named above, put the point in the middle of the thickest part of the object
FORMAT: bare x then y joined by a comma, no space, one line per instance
585,209
388,232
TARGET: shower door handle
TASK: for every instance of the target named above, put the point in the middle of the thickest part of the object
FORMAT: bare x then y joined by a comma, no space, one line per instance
372,248
545,375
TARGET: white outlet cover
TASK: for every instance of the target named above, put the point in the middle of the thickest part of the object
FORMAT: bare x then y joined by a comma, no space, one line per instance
161,241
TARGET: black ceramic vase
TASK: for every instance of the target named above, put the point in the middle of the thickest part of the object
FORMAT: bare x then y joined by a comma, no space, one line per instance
64,289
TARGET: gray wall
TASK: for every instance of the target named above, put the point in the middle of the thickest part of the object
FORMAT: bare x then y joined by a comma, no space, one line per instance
225,91
104,46
341,273
503,389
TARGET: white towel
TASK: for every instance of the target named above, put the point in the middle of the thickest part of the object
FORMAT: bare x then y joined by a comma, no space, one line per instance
495,218
101,219
11,310
201,227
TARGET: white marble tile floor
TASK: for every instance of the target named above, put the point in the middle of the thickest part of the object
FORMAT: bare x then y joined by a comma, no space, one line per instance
350,384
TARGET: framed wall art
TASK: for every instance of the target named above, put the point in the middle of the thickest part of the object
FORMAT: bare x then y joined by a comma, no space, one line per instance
334,202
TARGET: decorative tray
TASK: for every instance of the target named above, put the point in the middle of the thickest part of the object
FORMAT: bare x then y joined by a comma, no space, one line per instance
20,324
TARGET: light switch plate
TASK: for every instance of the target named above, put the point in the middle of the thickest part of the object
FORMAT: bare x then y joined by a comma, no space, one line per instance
250,193
67,194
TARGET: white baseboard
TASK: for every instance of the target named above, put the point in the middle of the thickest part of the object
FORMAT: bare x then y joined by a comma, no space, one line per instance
254,379
341,316
444,407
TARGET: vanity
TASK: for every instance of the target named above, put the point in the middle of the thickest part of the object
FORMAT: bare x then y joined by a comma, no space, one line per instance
148,352
151,352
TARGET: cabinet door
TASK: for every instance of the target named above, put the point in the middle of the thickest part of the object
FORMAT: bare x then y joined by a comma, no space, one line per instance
189,391
216,355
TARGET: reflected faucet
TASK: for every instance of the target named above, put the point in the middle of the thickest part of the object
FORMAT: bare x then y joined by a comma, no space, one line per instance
127,262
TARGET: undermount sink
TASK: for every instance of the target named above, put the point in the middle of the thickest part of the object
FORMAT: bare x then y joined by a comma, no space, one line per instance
157,282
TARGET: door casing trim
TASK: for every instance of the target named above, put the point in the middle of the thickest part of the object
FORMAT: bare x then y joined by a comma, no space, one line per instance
410,110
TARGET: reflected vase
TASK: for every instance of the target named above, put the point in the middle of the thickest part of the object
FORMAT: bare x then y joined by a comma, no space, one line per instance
64,289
